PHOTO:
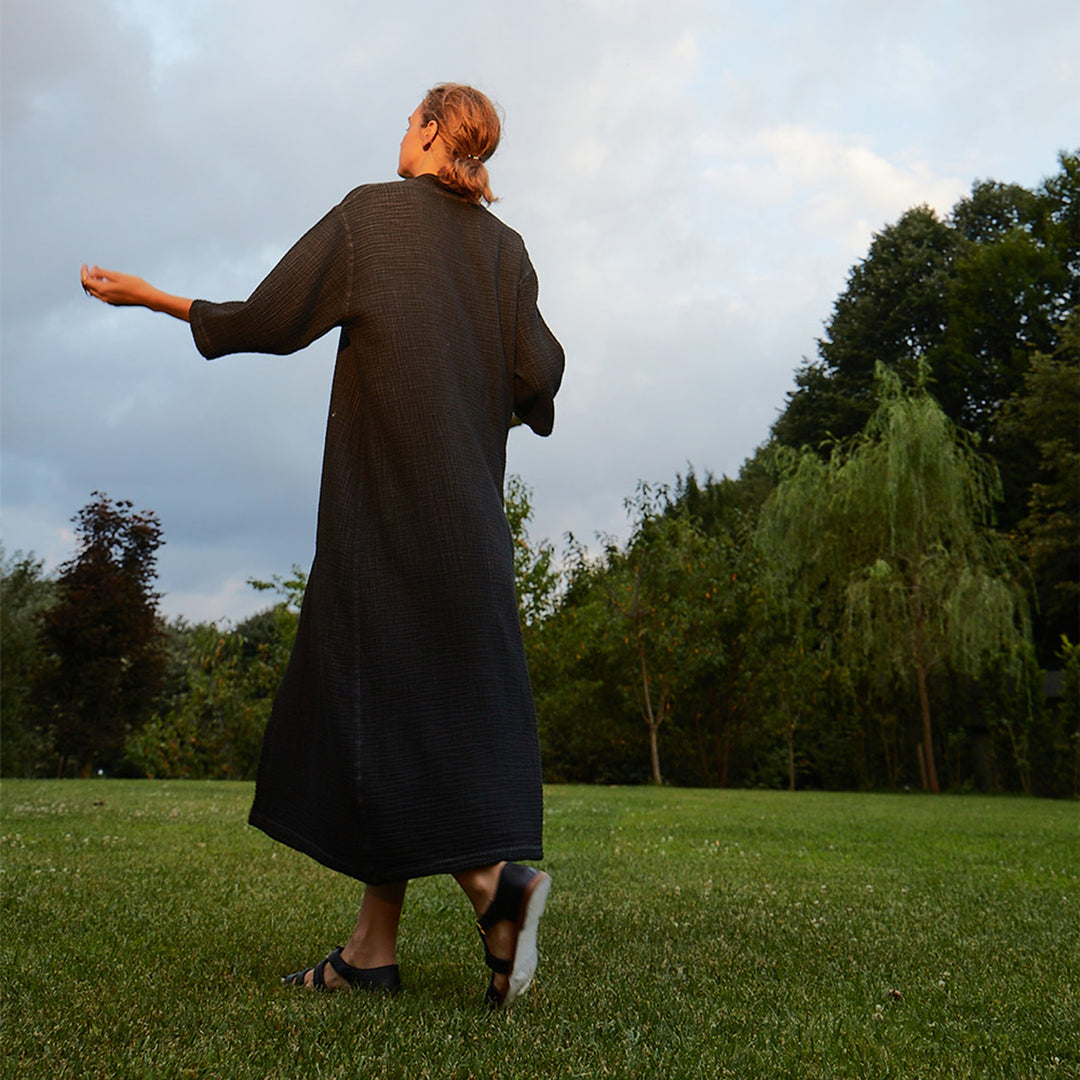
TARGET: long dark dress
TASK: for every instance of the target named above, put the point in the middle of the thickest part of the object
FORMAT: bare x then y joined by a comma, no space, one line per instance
403,740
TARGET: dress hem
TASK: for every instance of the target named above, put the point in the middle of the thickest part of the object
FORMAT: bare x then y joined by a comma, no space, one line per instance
451,865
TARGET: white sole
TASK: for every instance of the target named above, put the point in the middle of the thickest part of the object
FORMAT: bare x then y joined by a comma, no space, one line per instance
525,953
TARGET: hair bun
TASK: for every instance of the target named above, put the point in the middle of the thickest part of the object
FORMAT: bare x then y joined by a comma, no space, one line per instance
466,118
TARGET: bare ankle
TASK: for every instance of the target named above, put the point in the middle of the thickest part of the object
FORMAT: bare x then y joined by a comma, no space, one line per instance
480,885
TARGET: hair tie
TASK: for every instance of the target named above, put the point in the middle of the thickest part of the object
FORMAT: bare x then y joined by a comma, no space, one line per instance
473,157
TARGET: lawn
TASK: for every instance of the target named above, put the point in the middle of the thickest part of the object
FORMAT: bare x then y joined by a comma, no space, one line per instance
689,934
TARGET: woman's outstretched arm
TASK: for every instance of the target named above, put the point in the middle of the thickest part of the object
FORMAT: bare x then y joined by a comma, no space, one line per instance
126,290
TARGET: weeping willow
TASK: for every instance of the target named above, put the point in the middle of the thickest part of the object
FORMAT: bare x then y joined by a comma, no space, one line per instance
891,541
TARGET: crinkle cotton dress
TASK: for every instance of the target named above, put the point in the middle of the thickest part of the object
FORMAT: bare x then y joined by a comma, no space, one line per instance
403,740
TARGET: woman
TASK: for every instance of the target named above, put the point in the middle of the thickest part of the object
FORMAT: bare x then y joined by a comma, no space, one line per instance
403,742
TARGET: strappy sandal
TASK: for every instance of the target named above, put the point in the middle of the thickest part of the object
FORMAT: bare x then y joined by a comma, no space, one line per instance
379,978
520,898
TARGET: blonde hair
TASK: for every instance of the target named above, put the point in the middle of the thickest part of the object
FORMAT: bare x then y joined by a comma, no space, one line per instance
469,126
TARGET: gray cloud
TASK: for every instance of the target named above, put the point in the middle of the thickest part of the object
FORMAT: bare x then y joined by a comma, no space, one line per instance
693,181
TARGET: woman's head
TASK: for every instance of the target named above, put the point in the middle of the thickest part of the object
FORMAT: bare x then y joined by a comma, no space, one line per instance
465,123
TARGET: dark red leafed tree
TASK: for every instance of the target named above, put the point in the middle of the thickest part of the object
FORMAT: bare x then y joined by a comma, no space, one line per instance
106,648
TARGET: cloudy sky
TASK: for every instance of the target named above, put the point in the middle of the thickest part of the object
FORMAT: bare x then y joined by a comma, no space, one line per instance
693,179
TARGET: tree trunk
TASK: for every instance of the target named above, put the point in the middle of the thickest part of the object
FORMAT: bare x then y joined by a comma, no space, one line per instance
652,721
920,678
791,756
703,752
654,753
725,749
928,733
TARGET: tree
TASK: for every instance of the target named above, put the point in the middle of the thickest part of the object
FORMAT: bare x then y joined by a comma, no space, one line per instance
211,724
213,728
975,302
720,701
890,539
894,311
25,595
535,576
290,590
107,656
660,589
589,732
970,298
1041,422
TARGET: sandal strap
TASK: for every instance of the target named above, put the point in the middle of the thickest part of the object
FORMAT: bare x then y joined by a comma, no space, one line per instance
502,967
509,895
505,905
378,978
346,971
492,998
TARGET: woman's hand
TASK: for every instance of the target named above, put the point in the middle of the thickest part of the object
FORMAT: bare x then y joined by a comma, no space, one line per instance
127,290
121,290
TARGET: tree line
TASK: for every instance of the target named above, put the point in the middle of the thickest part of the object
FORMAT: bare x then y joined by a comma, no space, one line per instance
885,596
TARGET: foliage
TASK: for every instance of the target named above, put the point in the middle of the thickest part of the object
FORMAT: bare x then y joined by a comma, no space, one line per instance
810,622
883,556
1053,743
215,730
25,595
788,670
971,298
645,636
978,301
213,725
106,656
535,575
893,312
1040,423
774,935
586,730
650,587
290,590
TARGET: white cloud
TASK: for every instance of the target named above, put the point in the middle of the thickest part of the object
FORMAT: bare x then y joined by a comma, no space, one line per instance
693,181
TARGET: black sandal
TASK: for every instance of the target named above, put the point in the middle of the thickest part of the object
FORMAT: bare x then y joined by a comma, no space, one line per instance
379,978
519,898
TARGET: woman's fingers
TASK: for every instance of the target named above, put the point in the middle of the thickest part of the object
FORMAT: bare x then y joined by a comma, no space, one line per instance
112,287
93,279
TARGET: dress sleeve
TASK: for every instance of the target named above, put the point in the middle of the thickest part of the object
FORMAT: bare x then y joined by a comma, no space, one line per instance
305,295
538,360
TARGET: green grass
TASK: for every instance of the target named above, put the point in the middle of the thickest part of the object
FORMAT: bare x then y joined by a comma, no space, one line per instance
689,934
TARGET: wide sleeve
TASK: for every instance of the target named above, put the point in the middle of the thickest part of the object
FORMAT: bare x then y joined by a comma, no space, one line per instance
305,295
538,360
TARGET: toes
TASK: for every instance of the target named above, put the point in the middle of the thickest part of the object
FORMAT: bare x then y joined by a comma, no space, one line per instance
312,978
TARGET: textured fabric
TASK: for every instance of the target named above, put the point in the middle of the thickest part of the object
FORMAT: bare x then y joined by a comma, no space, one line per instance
403,739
